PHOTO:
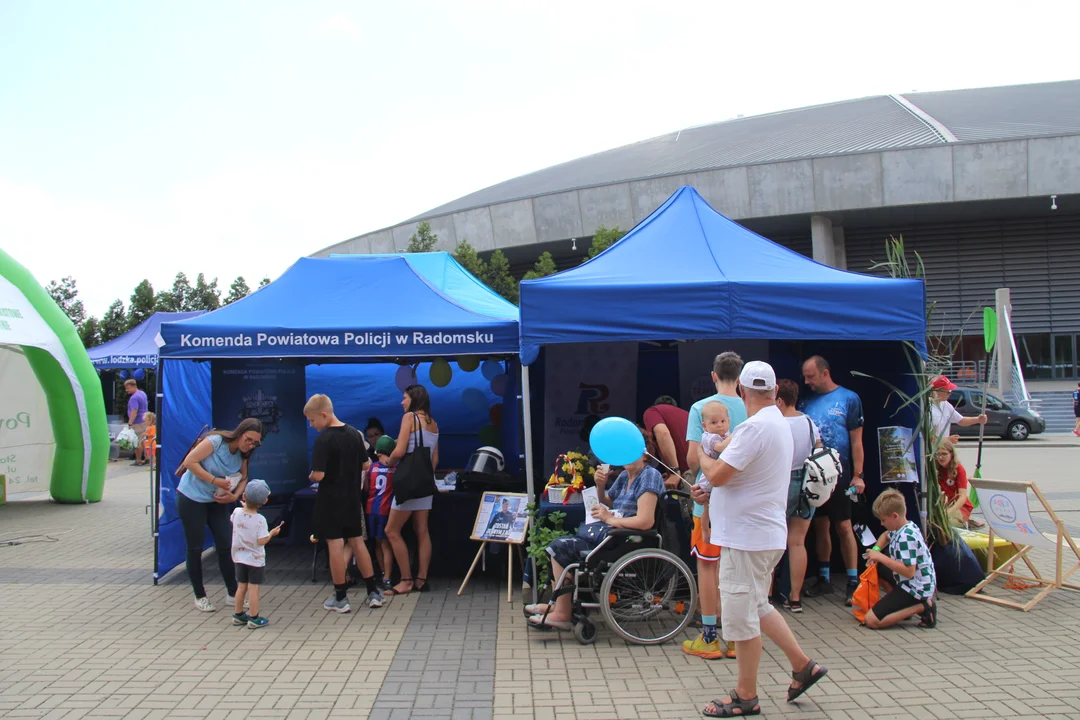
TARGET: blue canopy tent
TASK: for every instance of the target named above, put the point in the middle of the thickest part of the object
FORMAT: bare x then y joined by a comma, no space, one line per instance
686,272
137,348
344,309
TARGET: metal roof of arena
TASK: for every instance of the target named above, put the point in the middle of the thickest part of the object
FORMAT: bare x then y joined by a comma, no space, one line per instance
883,122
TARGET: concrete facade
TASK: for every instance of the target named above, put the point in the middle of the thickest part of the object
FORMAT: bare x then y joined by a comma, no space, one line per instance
951,173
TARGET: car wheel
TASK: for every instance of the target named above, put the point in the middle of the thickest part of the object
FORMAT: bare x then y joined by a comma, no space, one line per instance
1019,430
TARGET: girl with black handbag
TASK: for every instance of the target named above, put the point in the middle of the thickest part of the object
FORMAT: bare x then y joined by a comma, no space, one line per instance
415,455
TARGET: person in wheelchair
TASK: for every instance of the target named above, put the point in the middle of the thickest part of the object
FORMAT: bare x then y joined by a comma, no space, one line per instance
629,504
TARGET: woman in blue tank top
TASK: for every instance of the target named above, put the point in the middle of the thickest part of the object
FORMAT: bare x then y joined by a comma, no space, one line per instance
205,498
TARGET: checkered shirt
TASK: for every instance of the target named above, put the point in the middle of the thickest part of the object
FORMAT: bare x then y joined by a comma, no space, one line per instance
907,546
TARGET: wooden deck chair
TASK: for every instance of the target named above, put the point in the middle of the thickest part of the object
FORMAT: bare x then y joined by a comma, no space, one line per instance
1005,505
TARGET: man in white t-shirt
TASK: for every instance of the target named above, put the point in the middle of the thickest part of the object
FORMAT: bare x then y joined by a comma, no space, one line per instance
942,413
748,514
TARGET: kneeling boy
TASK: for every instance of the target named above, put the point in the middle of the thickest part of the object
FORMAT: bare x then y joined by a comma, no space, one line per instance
909,559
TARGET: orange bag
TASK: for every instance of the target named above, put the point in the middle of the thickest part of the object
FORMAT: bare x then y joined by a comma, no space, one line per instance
867,594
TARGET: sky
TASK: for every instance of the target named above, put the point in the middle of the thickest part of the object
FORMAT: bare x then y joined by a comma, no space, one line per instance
231,138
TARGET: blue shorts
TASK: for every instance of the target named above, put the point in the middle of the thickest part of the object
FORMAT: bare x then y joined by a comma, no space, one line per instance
377,526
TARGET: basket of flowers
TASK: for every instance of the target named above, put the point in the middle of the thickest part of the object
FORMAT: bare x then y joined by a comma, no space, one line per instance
569,477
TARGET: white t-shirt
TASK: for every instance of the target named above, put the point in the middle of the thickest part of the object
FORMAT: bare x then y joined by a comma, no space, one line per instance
248,530
750,512
801,428
942,416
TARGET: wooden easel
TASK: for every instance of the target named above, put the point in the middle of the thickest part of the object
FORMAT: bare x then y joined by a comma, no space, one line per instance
509,566
480,537
1023,540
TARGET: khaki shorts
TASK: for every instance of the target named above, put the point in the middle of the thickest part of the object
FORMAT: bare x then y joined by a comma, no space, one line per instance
745,578
140,429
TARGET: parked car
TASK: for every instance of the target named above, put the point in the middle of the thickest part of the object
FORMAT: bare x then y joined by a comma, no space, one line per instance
1001,418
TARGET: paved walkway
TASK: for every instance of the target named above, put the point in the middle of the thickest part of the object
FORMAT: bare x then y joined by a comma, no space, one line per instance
85,634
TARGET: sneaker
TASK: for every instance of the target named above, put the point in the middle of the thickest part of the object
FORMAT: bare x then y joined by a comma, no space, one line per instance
699,648
794,606
341,606
203,604
818,587
850,592
731,650
231,601
240,618
374,599
257,622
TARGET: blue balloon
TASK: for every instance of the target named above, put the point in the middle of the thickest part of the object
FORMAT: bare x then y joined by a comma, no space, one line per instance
139,374
123,374
474,399
490,369
617,441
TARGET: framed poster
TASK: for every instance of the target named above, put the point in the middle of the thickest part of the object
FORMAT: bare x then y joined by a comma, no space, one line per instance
502,518
896,452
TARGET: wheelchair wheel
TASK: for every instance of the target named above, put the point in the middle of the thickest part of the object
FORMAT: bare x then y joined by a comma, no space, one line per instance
648,596
585,632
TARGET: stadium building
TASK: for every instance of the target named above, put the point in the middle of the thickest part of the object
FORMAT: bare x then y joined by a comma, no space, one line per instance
984,184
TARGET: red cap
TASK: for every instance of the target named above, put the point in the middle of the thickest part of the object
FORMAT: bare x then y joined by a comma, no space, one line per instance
942,383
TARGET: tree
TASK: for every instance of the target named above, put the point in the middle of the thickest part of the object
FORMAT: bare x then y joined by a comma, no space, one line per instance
499,278
178,298
238,290
66,296
545,265
603,239
264,282
114,322
205,295
466,254
89,333
143,304
423,240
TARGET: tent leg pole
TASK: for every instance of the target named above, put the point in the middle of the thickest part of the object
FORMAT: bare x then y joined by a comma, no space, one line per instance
530,486
155,476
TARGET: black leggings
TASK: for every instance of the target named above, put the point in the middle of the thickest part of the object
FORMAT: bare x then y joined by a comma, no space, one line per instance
195,517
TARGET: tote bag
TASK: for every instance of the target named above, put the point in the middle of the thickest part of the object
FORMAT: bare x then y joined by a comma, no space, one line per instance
414,477
868,593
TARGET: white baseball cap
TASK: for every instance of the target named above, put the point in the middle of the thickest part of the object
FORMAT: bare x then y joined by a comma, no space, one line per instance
757,375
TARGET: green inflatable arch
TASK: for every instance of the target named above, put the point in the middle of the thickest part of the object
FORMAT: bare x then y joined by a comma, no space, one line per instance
71,447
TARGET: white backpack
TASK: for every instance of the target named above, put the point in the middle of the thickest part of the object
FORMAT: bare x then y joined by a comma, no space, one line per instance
820,472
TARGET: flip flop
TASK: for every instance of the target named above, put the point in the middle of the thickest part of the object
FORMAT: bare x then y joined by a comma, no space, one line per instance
541,623
393,593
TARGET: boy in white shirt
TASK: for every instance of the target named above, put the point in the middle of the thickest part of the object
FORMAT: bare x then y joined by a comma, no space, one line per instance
250,535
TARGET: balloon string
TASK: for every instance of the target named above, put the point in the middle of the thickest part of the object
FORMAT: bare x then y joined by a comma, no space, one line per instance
661,462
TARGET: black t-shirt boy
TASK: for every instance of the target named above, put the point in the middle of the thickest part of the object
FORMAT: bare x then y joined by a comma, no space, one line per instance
339,453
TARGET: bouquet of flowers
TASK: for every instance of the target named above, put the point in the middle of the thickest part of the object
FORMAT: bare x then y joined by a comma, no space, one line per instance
569,476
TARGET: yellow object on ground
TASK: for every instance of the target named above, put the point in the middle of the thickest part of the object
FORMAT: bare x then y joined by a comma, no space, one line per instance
979,542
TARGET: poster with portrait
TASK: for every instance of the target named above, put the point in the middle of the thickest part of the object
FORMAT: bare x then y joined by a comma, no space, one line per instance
896,452
502,518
